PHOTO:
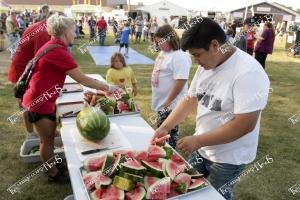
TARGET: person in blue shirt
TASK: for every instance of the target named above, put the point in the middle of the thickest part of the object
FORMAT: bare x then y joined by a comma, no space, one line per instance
125,38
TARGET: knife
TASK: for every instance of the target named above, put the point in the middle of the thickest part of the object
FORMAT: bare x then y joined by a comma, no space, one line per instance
98,150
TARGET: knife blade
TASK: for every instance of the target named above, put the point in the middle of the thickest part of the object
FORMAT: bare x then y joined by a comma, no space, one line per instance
98,150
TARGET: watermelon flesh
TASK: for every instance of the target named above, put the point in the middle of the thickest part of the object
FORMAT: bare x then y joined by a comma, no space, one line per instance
100,180
154,168
148,181
109,193
183,178
172,169
155,152
94,163
89,180
142,155
137,194
134,167
128,153
159,189
176,158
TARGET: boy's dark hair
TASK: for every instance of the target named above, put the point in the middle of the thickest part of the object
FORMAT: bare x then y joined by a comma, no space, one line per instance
167,33
201,34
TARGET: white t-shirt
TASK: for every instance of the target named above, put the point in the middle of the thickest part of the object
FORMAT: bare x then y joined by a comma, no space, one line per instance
239,85
169,66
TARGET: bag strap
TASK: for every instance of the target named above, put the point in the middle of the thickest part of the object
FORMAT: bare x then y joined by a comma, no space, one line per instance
45,51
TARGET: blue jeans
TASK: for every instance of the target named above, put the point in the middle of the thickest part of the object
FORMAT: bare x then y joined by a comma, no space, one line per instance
220,175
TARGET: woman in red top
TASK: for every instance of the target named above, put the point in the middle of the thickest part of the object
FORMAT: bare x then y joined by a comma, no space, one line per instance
46,83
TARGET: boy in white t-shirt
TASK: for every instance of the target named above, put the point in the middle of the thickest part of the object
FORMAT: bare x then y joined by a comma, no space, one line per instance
169,76
229,90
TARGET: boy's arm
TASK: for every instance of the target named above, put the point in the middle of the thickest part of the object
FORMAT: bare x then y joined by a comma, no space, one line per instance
229,132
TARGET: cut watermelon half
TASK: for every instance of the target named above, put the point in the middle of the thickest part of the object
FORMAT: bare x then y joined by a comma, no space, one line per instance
172,169
155,152
109,193
155,168
133,167
148,181
137,194
159,189
107,164
93,163
198,184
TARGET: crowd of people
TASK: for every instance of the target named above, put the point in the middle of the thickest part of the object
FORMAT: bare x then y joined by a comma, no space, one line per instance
221,85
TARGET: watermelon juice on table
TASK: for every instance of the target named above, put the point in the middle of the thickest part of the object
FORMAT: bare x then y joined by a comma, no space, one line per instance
155,173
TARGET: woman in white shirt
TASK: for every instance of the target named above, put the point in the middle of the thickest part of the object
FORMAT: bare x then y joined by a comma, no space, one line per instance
169,76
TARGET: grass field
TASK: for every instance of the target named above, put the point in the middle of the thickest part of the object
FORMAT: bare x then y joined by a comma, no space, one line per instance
277,139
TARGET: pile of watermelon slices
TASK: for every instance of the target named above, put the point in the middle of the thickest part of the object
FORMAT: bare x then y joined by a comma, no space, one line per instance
158,173
111,103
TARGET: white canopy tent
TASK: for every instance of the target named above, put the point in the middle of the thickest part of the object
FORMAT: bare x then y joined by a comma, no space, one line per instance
164,9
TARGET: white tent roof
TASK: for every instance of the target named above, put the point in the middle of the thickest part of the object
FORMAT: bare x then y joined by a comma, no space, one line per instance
164,9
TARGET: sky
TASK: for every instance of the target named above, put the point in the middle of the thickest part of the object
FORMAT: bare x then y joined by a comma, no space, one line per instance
220,5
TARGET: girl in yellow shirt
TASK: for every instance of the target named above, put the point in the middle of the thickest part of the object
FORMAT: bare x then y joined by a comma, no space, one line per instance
120,74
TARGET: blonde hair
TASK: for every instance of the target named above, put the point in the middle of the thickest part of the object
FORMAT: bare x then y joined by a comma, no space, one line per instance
58,24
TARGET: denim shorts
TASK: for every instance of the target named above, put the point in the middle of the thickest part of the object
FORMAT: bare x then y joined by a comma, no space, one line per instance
220,175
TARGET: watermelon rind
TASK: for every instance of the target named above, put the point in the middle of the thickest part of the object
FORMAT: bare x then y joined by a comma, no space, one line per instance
153,189
138,193
132,177
123,183
181,188
146,181
92,123
153,170
120,158
169,152
198,184
127,167
107,164
155,152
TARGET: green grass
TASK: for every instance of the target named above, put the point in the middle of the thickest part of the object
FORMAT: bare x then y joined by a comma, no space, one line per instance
277,138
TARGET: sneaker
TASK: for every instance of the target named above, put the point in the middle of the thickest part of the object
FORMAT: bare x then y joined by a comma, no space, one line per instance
59,178
31,136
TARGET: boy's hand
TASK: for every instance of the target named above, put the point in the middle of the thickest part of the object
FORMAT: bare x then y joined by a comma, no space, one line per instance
188,144
160,132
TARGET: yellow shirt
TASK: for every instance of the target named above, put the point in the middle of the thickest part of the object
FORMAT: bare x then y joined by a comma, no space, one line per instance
121,76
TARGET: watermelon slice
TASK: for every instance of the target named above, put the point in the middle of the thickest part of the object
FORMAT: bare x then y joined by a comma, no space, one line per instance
183,180
155,168
172,169
198,184
107,164
93,163
181,188
89,180
155,152
159,189
194,173
137,194
109,193
127,153
142,155
133,167
148,181
120,158
123,183
100,180
176,158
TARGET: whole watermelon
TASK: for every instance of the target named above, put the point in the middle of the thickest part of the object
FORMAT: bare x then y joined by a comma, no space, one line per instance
92,123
